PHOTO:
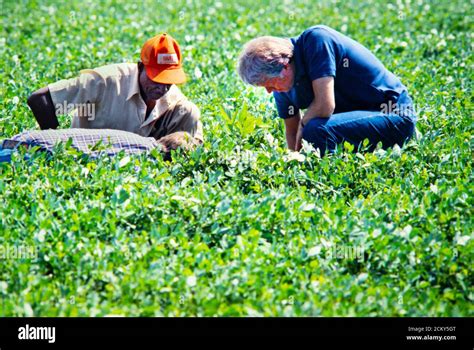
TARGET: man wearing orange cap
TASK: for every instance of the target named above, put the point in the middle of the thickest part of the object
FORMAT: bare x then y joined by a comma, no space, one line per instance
140,98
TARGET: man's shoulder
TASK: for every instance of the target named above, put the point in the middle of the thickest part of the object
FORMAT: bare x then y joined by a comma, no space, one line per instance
321,29
318,31
116,70
187,105
176,96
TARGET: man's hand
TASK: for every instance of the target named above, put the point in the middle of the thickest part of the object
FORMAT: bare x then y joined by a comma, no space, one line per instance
179,139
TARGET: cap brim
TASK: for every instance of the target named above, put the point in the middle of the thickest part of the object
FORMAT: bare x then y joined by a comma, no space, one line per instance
170,75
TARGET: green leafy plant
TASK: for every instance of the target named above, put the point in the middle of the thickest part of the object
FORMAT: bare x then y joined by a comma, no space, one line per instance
239,227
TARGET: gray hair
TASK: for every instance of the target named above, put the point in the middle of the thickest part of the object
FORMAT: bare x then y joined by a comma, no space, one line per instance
264,58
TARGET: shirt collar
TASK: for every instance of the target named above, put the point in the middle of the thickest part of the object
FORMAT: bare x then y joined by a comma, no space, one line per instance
168,101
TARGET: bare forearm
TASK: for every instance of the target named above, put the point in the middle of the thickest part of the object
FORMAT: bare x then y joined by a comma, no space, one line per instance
41,104
317,111
291,130
324,102
291,140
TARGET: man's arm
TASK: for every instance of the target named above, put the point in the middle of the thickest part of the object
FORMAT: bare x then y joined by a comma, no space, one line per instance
324,102
323,105
291,129
42,106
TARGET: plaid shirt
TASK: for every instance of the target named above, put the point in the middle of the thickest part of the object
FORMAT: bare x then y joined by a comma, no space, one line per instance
90,141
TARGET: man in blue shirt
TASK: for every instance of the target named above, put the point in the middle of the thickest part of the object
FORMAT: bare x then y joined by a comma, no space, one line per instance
346,92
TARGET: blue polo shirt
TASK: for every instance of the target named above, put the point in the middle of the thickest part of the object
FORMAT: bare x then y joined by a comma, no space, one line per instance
361,82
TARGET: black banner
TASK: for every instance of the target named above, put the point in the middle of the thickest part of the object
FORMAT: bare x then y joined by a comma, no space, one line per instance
409,332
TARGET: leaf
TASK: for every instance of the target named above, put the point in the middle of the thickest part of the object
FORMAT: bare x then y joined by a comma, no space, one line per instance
124,161
314,251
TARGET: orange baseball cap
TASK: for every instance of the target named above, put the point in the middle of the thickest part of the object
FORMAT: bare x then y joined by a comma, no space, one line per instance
162,59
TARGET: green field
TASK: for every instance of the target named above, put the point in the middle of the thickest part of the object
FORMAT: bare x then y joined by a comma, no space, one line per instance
239,227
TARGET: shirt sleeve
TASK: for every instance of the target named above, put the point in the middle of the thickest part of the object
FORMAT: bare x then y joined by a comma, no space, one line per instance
319,50
199,134
286,109
66,94
186,117
193,122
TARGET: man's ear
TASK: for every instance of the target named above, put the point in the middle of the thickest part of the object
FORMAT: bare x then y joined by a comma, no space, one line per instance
287,72
284,71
